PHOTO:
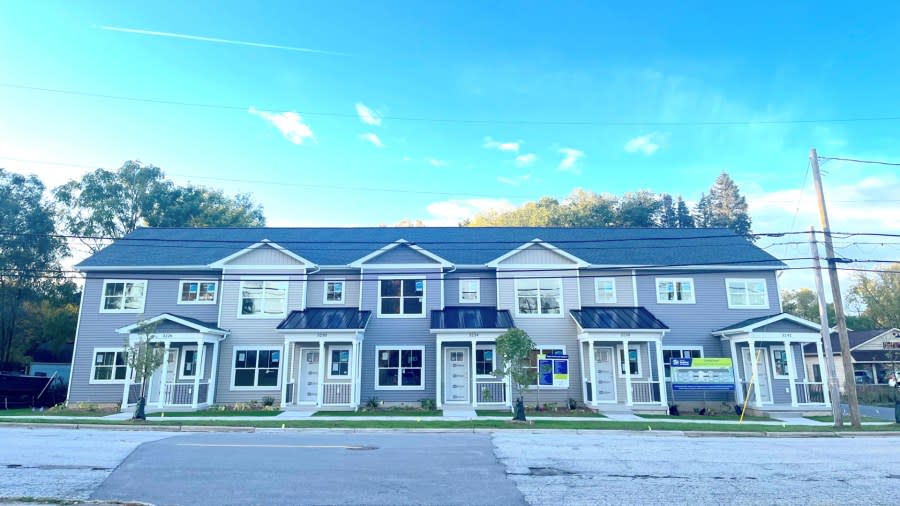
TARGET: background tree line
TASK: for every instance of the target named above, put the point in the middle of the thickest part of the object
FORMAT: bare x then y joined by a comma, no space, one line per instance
38,303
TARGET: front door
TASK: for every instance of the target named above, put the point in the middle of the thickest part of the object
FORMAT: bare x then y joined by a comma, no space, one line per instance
762,374
456,375
308,382
606,381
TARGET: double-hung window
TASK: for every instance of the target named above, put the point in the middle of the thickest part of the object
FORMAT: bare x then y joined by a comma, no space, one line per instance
780,362
256,368
679,352
334,292
538,296
747,293
675,290
633,362
188,367
109,366
469,291
263,298
605,290
485,357
198,292
123,296
339,362
401,297
399,368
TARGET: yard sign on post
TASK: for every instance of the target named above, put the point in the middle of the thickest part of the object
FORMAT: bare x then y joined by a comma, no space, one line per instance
553,371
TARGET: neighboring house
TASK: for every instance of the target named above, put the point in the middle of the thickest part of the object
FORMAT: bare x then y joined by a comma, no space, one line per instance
876,351
334,317
61,370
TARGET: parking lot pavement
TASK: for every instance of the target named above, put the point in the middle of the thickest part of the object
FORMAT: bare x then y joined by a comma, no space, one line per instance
622,468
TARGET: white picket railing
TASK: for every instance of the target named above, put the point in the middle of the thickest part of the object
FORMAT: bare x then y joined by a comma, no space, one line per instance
491,392
337,394
810,392
645,392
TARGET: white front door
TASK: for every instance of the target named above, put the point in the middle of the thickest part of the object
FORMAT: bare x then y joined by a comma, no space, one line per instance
308,382
605,386
456,375
762,374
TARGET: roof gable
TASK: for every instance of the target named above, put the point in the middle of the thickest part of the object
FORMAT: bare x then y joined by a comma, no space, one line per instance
780,322
264,253
401,252
537,253
171,323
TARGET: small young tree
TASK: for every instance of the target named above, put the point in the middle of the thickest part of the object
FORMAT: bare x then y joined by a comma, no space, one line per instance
514,348
144,358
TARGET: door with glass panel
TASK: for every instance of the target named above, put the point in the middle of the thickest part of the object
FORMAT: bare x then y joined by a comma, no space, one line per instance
605,386
456,375
308,381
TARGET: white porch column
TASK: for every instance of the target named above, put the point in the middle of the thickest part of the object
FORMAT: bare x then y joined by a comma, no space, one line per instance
592,367
792,371
628,394
354,349
128,382
213,374
473,372
359,368
738,379
663,391
438,380
163,375
823,374
285,373
584,379
754,366
199,370
321,387
508,386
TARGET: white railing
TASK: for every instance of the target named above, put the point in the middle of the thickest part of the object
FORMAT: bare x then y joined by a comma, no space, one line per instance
491,392
810,392
645,392
337,394
181,394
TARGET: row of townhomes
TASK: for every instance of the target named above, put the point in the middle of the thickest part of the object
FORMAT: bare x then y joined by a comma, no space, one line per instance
329,318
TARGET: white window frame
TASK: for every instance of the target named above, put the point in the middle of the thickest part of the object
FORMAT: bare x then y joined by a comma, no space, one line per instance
544,347
182,361
112,381
681,349
325,291
477,290
402,314
257,349
787,364
486,347
660,300
328,373
597,282
623,359
264,280
198,282
746,282
146,284
400,349
539,314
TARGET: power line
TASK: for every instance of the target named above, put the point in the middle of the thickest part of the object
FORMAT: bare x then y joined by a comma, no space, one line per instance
857,160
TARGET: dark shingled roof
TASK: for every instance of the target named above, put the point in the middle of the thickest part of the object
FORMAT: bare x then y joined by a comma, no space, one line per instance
326,319
616,318
748,321
161,247
471,318
856,338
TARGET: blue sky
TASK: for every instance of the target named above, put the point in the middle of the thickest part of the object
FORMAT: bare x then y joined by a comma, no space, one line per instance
605,97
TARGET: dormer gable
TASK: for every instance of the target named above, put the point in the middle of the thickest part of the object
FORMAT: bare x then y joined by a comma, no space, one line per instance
262,255
537,254
401,252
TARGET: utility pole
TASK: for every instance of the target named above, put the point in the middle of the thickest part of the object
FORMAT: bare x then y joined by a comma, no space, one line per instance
849,376
834,386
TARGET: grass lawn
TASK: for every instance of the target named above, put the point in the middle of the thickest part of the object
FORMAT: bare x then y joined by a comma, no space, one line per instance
216,412
383,412
733,418
57,412
540,414
830,419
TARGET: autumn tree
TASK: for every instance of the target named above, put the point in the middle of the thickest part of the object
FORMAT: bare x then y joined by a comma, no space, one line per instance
723,207
879,296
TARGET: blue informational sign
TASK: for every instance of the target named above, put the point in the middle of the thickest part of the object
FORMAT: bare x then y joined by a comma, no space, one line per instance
702,374
553,370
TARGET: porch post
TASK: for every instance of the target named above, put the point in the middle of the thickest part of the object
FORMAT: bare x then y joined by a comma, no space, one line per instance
321,387
581,358
213,373
163,375
359,368
128,382
823,374
592,367
661,365
354,349
285,372
439,359
628,395
754,376
738,380
199,369
792,372
474,371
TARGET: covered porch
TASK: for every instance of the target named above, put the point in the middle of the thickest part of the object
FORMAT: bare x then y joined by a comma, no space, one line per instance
621,358
767,353
323,358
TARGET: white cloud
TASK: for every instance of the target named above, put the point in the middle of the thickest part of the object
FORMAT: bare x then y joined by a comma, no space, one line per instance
437,163
511,146
371,137
367,116
290,123
452,212
570,156
646,144
514,181
525,160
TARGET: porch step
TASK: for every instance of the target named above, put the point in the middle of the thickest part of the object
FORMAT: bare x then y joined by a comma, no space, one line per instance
466,413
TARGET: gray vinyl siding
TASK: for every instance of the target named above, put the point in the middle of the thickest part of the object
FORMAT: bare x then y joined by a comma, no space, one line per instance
781,393
488,284
785,326
537,255
251,332
548,331
98,330
316,289
391,332
624,289
264,255
401,255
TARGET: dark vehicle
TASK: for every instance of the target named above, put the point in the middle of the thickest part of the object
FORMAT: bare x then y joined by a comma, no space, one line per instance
21,390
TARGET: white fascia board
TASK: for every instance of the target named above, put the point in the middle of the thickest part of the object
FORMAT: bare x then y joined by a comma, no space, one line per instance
107,268
579,263
172,318
400,242
218,264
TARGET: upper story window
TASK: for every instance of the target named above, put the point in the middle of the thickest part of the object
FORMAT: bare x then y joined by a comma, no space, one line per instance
334,292
123,296
747,293
470,290
263,299
605,290
675,290
198,292
401,297
539,297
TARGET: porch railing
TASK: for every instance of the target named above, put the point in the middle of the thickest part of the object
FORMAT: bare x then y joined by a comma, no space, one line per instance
810,392
645,392
337,394
181,394
491,392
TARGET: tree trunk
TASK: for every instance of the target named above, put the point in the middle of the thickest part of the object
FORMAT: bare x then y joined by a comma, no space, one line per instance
520,410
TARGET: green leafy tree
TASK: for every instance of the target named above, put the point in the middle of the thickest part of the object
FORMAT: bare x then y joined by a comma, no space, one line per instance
143,357
804,303
638,209
879,296
587,209
47,325
514,347
198,206
724,207
683,217
668,215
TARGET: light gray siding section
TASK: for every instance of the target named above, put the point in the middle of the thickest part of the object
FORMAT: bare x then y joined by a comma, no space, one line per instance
264,255
98,330
401,255
488,283
537,255
785,326
316,289
624,291
170,327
